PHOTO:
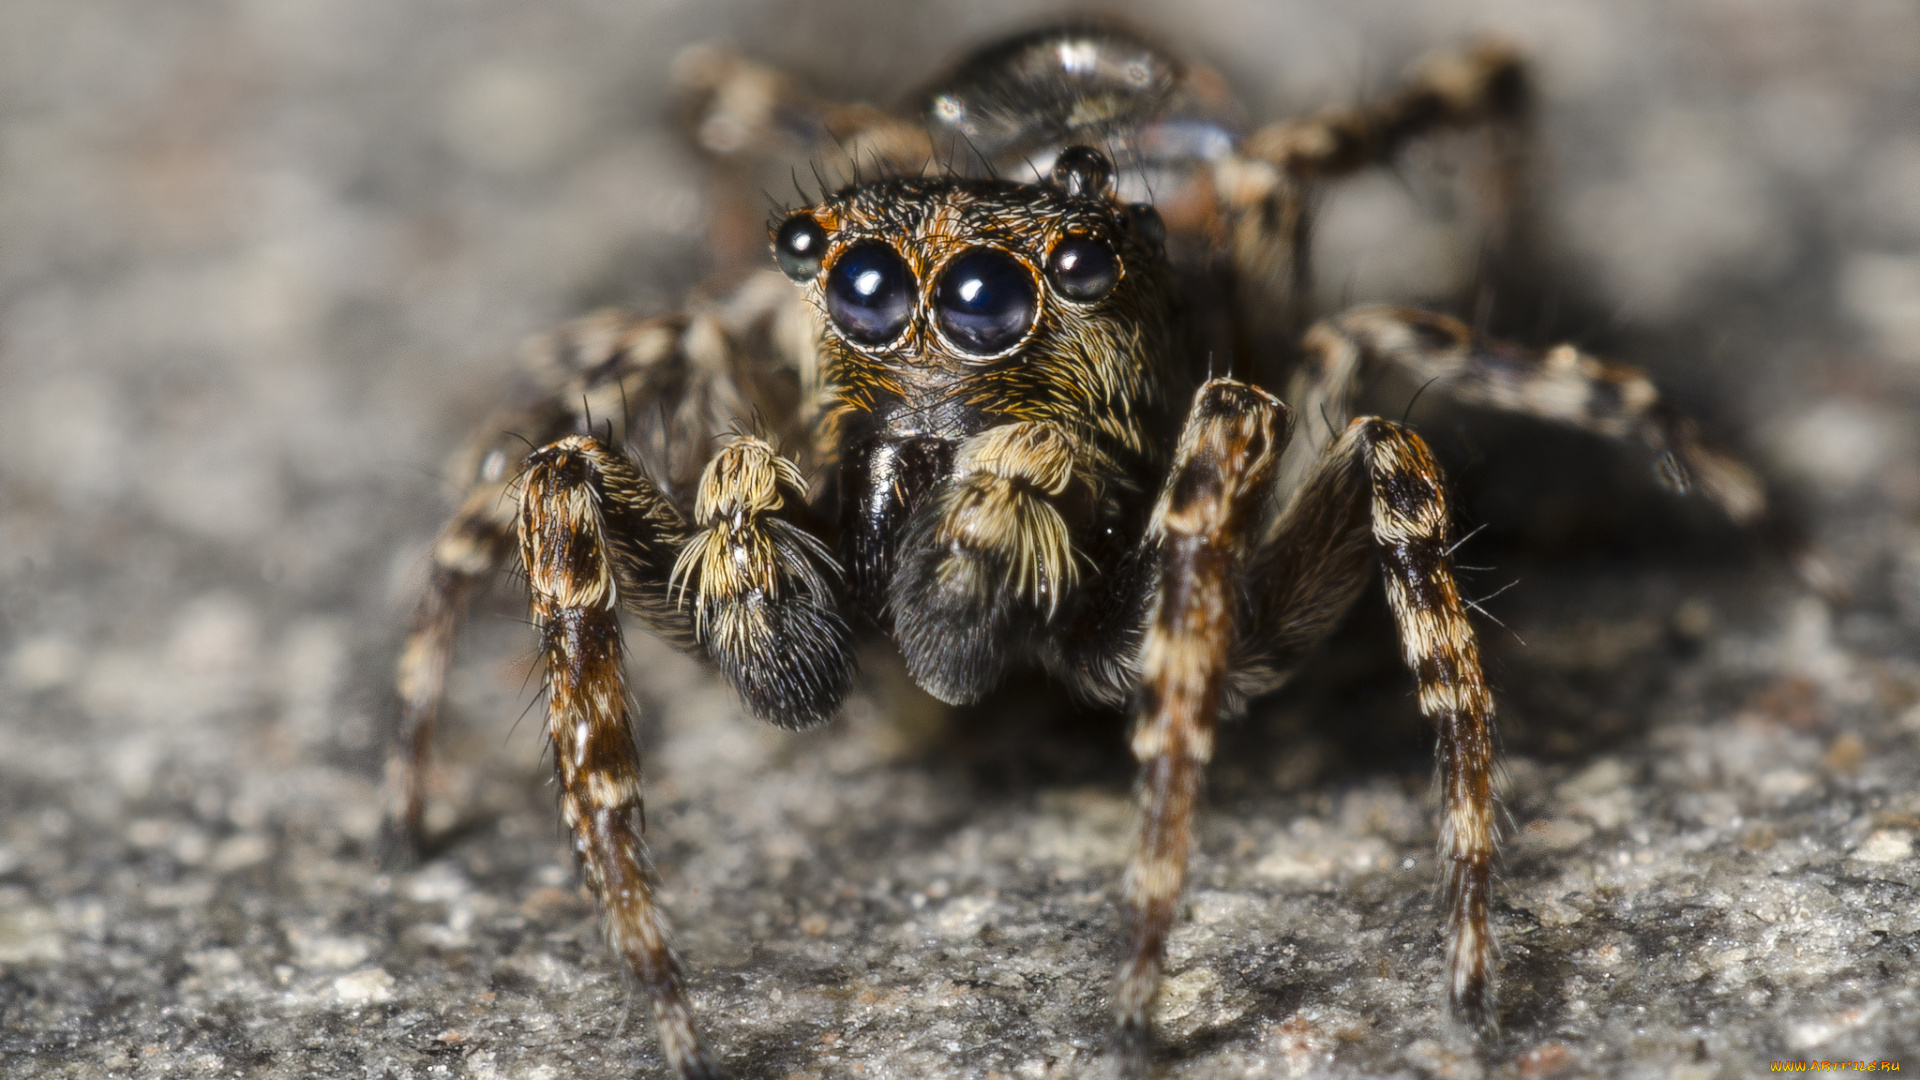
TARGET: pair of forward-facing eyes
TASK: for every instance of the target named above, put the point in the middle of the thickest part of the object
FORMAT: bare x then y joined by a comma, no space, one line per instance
984,300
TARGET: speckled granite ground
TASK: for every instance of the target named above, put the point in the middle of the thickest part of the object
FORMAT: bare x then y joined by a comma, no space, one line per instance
260,262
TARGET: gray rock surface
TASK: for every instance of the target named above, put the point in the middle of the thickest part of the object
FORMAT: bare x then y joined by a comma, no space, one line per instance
260,262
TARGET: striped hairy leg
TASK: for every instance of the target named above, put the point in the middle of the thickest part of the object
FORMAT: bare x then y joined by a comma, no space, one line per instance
576,498
596,537
1206,517
671,382
1561,385
1375,498
1265,193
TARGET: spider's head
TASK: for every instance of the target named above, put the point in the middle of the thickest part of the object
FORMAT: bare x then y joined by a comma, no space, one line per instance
949,305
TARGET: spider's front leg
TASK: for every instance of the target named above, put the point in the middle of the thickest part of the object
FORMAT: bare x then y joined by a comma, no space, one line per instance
579,506
1376,497
596,536
674,381
1202,529
1235,603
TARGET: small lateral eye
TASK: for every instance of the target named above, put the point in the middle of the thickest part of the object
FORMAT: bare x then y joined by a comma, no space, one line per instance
1082,172
870,293
799,245
1147,224
1082,268
985,302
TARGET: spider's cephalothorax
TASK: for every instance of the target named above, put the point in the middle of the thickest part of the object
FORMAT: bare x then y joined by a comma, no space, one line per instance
1003,392
1002,386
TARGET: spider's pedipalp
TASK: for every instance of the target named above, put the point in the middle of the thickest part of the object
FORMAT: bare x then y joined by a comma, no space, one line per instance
987,561
761,588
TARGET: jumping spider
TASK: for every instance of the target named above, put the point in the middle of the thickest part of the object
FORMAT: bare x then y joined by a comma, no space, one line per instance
993,361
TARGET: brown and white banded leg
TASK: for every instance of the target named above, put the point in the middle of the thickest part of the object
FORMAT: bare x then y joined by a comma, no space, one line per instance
465,557
573,493
1265,193
672,382
1201,529
1376,494
466,554
1562,385
1486,85
751,115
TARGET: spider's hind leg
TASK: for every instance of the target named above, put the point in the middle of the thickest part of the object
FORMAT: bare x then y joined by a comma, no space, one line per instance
1485,85
751,116
1562,385
1266,193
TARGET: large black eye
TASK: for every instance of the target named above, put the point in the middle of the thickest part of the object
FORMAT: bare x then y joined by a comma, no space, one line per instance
870,293
799,246
985,302
1083,268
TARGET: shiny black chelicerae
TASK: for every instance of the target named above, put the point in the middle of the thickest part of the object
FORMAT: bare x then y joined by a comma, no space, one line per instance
979,410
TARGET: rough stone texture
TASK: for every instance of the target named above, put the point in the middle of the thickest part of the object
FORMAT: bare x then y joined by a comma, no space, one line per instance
262,261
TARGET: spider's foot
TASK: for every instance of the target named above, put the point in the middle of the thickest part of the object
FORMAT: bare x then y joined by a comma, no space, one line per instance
398,846
1131,1057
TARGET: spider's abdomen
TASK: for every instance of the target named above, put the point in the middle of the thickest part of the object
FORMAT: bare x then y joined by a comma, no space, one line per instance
1012,107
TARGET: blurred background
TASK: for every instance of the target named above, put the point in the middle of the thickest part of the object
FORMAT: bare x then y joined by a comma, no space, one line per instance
262,262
